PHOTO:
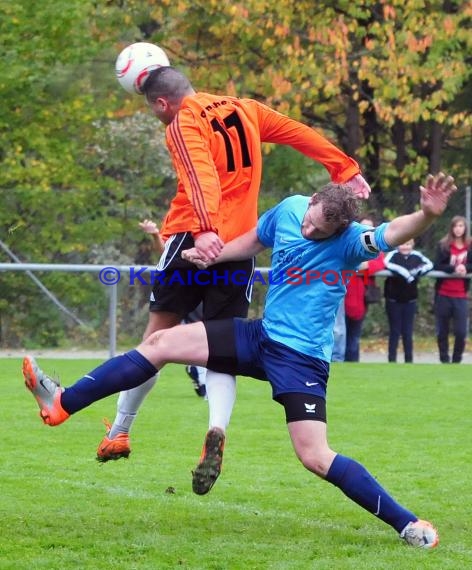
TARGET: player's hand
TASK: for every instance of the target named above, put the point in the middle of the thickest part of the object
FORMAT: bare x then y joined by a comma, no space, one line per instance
359,186
149,227
435,194
208,246
460,269
193,256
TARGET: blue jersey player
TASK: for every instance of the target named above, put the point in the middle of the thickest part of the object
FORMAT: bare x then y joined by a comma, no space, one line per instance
315,245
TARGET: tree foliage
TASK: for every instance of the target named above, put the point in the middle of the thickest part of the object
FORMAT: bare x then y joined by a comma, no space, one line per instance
381,77
59,202
82,161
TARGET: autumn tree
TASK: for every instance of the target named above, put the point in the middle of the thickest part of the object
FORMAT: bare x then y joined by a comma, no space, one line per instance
389,81
59,201
380,77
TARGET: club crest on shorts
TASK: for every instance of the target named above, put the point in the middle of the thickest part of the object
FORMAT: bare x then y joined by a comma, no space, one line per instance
310,408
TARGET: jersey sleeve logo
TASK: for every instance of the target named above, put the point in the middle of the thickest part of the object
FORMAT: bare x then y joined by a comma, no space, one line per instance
369,243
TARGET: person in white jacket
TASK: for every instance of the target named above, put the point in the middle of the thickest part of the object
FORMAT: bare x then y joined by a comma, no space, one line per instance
401,294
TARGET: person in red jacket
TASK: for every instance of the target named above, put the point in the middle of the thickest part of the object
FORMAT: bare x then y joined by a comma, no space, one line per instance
355,304
451,304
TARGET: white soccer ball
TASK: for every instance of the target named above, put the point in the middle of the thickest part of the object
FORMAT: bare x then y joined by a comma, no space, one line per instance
136,62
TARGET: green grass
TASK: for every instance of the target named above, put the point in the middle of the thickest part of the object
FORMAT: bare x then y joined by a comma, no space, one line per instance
409,424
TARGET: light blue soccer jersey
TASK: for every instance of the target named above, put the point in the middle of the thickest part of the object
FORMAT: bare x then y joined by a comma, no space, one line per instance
308,278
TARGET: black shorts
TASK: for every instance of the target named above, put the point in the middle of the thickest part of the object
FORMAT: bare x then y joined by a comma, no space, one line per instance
179,286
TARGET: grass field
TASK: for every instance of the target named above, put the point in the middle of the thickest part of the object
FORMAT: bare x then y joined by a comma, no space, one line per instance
409,424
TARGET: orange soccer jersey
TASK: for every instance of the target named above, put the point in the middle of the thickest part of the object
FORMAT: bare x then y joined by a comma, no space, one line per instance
215,145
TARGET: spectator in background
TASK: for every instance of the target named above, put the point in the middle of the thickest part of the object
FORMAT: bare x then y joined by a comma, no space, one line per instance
150,227
453,255
118,446
339,334
401,293
197,374
355,304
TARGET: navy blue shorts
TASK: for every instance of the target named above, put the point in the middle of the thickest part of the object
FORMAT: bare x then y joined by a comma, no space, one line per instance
241,347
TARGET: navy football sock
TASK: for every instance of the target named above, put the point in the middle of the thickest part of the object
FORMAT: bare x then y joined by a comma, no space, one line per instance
119,373
360,486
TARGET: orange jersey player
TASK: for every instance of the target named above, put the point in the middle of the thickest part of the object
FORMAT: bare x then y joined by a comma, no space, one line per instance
215,144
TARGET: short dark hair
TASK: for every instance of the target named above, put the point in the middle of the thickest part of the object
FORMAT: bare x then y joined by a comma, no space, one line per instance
166,82
339,204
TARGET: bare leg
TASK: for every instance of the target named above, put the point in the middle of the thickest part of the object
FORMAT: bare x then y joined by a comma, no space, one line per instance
310,443
311,446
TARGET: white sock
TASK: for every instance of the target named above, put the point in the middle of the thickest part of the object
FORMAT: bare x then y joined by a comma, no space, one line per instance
129,402
201,375
221,394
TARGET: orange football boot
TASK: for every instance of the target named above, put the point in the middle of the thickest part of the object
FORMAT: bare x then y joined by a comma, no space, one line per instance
113,448
46,391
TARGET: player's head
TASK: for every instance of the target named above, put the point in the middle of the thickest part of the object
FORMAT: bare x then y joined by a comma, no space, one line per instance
407,247
458,227
164,90
329,212
457,231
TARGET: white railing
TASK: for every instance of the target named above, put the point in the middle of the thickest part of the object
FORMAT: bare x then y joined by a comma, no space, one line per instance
112,287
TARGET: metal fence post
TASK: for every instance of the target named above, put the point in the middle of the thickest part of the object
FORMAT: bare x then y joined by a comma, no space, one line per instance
467,208
112,320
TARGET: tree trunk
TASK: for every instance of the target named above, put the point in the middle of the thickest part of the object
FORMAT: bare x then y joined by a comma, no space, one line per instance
371,130
435,145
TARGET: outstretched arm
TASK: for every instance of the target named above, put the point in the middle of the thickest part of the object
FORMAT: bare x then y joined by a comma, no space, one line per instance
280,129
243,247
435,196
